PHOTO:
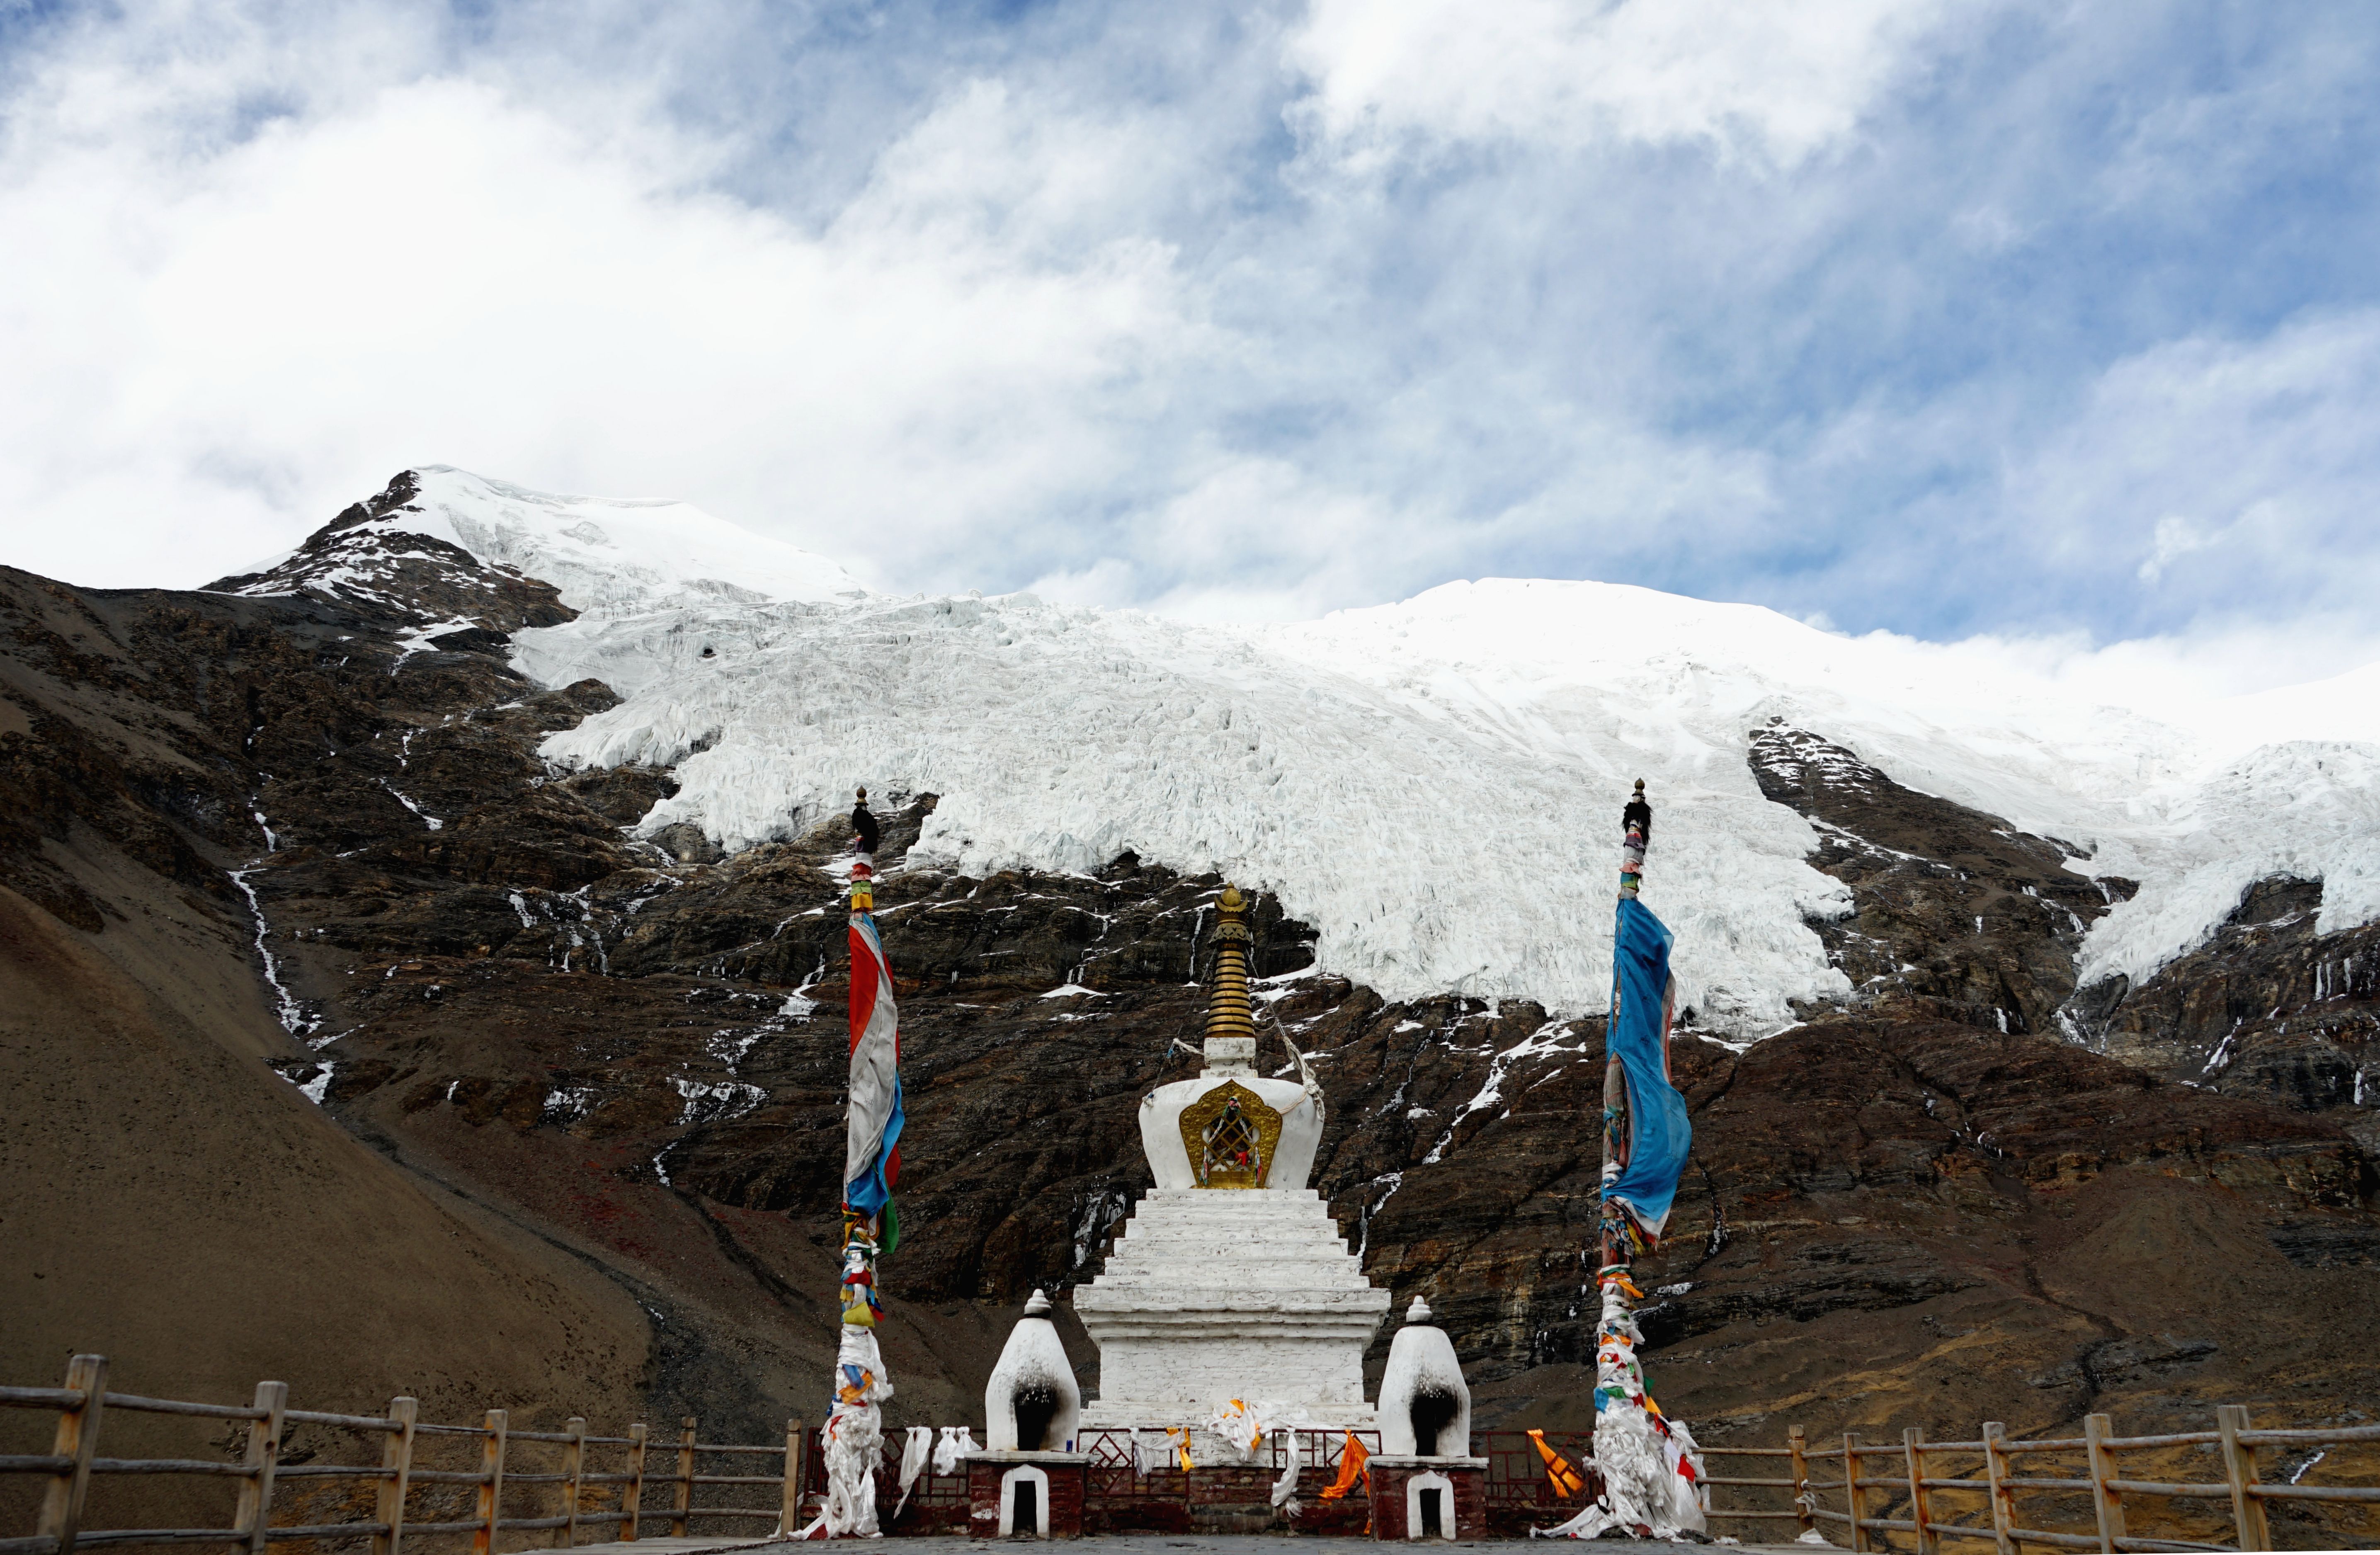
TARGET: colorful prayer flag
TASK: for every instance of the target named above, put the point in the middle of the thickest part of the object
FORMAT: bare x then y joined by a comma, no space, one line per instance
872,1144
1658,1133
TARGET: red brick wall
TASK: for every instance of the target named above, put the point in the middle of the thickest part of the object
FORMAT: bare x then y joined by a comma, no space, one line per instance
1470,1499
1212,1499
1388,1501
1228,1498
983,1497
1065,1494
1351,1514
1065,1503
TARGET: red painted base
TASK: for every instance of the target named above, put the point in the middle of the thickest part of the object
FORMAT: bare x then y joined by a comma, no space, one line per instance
1461,1502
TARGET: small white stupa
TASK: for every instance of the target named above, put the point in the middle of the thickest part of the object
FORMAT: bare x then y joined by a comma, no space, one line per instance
1425,1403
1231,1281
1031,1404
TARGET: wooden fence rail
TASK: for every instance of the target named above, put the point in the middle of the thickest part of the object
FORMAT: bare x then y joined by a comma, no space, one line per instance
1993,1478
603,1482
580,1486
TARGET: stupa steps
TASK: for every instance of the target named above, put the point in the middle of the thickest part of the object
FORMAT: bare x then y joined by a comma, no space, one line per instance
1311,1219
1233,1273
1190,1245
1311,1212
1244,1198
1317,1242
1143,1305
1285,1273
1220,1316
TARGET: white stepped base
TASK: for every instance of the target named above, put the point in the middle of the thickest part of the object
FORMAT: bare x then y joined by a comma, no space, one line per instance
1212,1294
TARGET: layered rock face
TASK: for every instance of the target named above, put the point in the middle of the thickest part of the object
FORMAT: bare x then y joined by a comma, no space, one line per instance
1970,1192
2267,1007
1962,917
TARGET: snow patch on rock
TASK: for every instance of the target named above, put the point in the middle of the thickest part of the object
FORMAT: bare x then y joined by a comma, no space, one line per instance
2306,808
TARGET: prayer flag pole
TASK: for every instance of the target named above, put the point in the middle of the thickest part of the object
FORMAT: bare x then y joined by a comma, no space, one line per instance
1618,1237
852,1441
1650,1466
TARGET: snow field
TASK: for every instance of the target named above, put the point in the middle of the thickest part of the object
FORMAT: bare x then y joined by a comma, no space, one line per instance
1430,852
1434,786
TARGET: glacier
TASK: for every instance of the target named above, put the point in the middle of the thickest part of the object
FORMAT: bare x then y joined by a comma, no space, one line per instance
1434,786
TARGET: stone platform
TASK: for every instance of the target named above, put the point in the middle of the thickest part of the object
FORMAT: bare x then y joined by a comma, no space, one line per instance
1219,1294
1147,1544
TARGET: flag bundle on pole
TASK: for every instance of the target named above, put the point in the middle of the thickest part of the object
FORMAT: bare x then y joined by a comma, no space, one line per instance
1651,1468
852,1441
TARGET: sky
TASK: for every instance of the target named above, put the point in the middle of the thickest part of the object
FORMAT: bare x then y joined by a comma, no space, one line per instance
2055,325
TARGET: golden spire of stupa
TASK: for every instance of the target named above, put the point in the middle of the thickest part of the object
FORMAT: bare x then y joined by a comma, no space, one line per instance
1228,1011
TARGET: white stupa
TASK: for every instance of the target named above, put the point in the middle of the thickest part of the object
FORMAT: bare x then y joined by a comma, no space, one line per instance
1231,1281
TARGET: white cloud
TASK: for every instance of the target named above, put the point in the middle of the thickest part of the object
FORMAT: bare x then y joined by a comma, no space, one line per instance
222,337
1919,315
1779,82
2230,474
2175,539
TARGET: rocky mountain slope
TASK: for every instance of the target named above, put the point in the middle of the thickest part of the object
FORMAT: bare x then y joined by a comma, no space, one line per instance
374,938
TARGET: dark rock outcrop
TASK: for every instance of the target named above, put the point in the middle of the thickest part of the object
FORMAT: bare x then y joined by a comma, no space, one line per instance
1957,913
2267,1007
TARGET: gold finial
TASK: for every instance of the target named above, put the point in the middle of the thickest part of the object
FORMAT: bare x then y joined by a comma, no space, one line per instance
1229,1012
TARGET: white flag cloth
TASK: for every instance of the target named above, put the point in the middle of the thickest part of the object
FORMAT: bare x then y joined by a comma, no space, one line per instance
956,1446
915,1452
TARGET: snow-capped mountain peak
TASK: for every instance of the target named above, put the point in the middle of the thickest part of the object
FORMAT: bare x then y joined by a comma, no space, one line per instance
604,556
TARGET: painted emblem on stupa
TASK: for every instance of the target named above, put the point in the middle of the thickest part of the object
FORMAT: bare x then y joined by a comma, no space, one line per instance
1230,1135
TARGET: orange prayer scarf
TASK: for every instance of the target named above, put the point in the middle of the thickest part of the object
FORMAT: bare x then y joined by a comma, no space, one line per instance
1352,1466
1565,1478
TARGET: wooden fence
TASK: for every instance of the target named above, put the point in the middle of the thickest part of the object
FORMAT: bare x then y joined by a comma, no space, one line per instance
1983,1484
589,1496
598,1483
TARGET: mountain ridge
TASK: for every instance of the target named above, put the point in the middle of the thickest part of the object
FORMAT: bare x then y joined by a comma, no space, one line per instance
567,1003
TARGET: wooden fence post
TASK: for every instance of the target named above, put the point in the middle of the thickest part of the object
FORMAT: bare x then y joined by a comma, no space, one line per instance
1796,1444
1996,1479
2096,1429
793,1509
1921,1505
396,1475
78,1437
683,1500
574,1464
2240,1468
632,1495
1854,1493
492,1483
263,1456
